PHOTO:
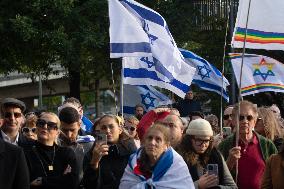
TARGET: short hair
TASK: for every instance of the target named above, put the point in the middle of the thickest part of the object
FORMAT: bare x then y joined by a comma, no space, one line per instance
249,104
69,115
162,128
74,101
196,113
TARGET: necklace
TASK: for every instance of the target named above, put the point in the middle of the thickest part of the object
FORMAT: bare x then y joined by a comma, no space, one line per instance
50,166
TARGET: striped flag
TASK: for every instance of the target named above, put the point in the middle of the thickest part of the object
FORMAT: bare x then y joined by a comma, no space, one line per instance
138,31
207,76
260,73
265,29
148,96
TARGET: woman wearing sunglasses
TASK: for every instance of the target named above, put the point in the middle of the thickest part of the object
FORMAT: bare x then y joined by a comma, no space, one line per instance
131,125
29,129
205,163
106,161
50,165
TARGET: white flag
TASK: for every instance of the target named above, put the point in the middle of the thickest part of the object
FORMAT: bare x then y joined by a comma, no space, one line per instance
138,31
207,76
265,29
259,74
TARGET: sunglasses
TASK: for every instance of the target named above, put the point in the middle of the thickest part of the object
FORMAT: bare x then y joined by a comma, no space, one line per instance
248,117
27,130
226,117
50,125
9,114
131,128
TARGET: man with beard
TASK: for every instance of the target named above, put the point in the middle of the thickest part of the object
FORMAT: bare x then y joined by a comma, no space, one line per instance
252,150
139,111
12,112
70,126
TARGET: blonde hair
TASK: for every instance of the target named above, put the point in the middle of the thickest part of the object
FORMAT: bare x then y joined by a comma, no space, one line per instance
52,114
271,126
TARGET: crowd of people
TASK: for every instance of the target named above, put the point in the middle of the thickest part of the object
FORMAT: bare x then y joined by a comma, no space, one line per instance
167,147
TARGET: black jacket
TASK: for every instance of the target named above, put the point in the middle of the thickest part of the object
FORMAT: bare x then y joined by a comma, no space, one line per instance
186,106
111,168
39,157
14,172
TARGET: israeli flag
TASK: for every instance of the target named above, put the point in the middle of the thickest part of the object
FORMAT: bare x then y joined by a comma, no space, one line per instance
148,96
137,31
207,76
145,71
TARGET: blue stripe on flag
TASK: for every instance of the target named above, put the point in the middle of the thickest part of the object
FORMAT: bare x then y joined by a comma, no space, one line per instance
211,87
161,69
128,110
146,14
130,47
144,73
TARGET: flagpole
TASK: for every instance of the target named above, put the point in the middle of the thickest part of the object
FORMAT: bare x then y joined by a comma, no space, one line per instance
240,87
121,87
223,69
113,88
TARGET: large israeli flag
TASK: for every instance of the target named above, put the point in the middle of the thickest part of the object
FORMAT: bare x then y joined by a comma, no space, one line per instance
207,76
137,31
148,96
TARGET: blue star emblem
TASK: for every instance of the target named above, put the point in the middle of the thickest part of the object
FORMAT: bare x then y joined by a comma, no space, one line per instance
152,38
147,61
263,75
147,100
203,71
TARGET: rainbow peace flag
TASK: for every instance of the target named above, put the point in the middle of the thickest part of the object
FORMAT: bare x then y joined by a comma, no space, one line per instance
265,29
259,73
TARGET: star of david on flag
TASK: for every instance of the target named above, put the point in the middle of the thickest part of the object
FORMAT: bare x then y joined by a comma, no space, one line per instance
148,96
203,71
140,32
207,76
260,73
263,69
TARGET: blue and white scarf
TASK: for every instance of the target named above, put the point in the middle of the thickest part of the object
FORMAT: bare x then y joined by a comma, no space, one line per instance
170,172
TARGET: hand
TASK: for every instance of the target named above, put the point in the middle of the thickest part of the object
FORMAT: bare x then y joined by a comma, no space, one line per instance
234,155
67,170
207,181
37,182
100,150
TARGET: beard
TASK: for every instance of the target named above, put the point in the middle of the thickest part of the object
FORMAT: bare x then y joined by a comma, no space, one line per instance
139,116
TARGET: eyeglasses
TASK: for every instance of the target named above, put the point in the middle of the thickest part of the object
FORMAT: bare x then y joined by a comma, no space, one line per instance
248,117
50,125
199,141
27,130
226,117
9,114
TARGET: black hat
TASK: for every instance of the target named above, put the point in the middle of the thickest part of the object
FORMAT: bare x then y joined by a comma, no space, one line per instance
13,101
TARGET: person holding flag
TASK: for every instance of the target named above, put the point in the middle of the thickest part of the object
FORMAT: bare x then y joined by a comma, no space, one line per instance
252,149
